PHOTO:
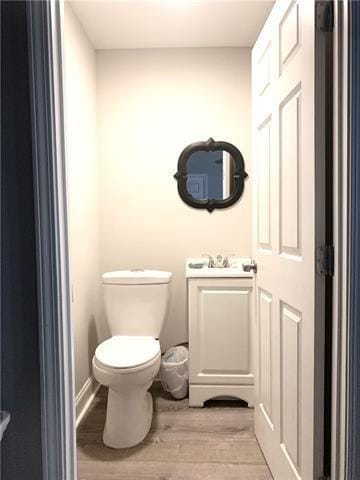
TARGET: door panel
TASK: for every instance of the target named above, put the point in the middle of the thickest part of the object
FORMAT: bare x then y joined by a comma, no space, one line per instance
289,32
264,207
290,382
197,186
288,216
266,356
220,331
290,203
221,311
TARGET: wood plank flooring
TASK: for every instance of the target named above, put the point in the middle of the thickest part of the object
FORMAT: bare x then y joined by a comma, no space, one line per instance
216,442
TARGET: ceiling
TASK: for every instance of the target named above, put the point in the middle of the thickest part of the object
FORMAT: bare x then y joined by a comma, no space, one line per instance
171,23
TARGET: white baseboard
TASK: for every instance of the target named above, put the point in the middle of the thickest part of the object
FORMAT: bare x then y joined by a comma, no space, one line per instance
85,397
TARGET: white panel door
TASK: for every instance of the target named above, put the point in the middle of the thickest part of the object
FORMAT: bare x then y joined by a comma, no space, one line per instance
288,215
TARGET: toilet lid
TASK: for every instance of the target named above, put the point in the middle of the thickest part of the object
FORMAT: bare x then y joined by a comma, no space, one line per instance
126,352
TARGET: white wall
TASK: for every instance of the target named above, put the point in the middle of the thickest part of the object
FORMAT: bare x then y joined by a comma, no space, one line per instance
150,105
83,196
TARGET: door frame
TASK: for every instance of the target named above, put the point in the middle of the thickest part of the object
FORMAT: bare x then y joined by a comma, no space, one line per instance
44,21
340,336
45,38
353,357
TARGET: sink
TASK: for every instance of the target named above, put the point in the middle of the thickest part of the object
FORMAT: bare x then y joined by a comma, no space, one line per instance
235,269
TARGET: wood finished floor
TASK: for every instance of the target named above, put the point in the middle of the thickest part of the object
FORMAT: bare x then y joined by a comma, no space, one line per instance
216,442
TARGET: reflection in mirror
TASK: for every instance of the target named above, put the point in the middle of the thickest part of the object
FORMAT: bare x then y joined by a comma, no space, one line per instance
210,175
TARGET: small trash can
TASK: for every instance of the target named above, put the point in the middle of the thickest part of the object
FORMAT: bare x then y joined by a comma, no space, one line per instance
174,371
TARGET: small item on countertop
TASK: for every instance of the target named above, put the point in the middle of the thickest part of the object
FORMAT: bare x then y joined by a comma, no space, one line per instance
219,261
196,265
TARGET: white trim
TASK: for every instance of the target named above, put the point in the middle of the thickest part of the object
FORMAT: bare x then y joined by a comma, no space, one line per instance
65,329
56,366
85,397
198,394
340,287
226,175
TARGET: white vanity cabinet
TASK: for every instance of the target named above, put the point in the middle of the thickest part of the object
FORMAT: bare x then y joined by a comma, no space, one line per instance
220,338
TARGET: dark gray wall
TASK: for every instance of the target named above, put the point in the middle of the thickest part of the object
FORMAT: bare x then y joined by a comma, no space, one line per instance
20,381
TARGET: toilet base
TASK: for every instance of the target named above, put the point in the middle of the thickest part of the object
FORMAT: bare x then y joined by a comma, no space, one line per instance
128,418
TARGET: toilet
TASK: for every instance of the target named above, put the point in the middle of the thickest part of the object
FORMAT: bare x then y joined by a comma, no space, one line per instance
136,305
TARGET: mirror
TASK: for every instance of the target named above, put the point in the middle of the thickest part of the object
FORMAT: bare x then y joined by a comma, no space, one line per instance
210,175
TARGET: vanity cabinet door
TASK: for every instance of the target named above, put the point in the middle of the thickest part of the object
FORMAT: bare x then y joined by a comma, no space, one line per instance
220,331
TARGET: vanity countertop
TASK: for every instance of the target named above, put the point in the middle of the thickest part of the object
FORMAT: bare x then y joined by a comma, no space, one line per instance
235,270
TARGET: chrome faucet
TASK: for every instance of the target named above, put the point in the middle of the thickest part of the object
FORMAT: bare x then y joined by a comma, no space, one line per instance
226,263
222,262
211,262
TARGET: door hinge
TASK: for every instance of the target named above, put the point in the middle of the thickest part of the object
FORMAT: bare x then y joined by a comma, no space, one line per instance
324,16
325,260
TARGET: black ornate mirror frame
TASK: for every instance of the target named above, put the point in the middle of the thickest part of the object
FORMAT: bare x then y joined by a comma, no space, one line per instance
238,176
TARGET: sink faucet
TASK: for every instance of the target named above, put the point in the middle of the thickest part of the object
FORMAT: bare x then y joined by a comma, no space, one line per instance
222,262
211,262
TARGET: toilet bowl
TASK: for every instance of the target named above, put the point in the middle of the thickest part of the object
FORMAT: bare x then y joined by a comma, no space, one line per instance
136,304
129,375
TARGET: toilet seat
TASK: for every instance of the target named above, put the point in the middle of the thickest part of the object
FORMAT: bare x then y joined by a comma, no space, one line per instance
127,352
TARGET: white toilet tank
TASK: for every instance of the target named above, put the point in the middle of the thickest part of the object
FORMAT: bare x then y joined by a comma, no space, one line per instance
136,301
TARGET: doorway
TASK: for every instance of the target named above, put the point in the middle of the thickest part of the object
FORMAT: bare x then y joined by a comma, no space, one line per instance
93,332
